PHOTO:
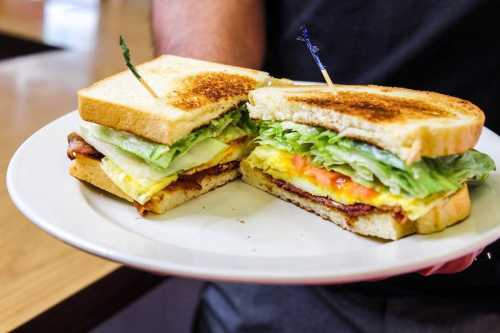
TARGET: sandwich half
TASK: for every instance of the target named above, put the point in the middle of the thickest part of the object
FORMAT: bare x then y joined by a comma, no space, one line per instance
378,161
160,152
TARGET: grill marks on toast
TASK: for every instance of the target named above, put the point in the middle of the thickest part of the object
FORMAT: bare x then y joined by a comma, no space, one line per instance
373,107
201,89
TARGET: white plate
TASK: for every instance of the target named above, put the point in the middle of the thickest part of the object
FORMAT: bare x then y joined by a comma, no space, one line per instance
235,233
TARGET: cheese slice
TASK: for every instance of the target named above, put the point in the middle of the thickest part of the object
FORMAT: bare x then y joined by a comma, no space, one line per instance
140,190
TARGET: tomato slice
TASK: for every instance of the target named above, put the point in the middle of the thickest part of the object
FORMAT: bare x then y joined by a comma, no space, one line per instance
361,191
299,162
323,176
331,178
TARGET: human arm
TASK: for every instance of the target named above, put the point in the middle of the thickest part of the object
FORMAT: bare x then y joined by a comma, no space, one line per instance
453,266
225,31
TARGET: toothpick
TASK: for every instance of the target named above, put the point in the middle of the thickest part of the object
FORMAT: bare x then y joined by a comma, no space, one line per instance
327,79
314,50
148,87
126,56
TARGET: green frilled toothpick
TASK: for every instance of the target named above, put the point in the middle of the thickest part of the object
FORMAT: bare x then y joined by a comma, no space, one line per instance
126,56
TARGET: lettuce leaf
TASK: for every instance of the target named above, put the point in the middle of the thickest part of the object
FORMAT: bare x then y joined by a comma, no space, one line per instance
375,167
230,126
146,174
473,166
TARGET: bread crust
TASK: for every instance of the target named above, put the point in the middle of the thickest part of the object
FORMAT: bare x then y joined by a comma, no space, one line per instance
449,211
167,199
411,124
89,170
191,93
379,224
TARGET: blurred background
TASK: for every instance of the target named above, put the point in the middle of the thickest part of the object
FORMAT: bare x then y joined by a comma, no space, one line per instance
91,27
48,50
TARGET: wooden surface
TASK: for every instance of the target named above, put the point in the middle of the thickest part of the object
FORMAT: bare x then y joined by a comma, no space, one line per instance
80,26
116,297
36,270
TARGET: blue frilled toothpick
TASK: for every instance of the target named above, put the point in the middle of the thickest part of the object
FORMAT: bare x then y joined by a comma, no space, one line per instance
314,50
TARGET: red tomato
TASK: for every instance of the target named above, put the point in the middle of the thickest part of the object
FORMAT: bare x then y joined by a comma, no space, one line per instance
331,178
299,162
361,191
341,181
323,176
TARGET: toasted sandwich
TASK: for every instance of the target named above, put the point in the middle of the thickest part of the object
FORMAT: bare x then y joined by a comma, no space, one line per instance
158,153
379,161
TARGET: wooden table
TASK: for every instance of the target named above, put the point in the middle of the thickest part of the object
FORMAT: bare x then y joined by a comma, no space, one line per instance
36,270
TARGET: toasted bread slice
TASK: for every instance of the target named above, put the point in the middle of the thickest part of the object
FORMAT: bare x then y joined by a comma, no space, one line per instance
191,93
89,170
380,224
411,124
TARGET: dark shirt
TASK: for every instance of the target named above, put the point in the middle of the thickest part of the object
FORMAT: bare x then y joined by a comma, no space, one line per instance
449,46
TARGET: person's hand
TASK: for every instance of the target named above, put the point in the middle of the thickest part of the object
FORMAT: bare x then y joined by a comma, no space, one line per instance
454,266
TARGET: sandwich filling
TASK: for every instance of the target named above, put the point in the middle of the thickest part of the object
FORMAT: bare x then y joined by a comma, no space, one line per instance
325,164
141,168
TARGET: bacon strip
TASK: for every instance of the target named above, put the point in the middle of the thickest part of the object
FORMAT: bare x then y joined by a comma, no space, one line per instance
192,182
354,210
77,145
